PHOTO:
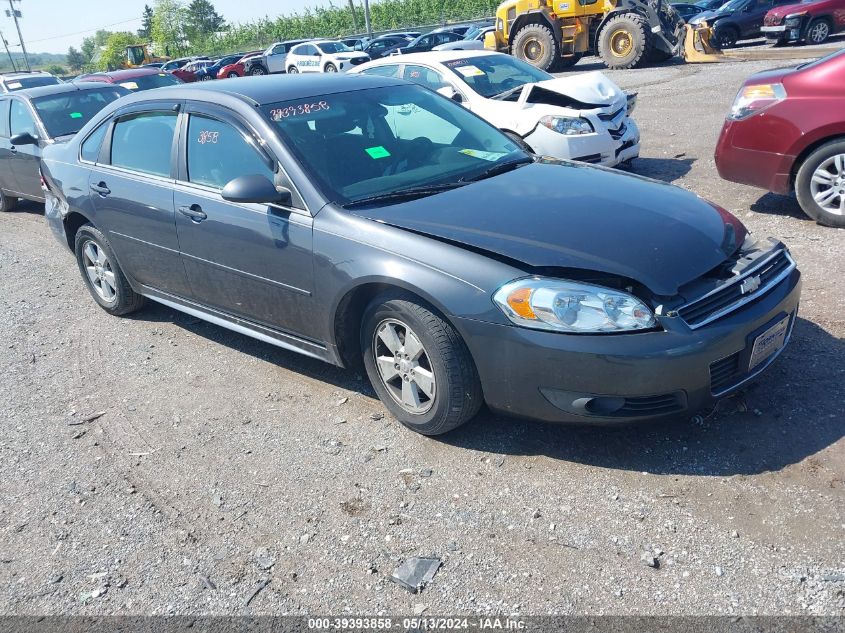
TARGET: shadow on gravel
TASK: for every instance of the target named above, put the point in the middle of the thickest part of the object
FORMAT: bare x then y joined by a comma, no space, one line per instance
665,169
594,63
776,204
28,206
787,415
790,413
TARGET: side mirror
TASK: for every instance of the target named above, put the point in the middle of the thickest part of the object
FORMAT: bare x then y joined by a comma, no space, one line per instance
457,97
255,189
24,138
450,93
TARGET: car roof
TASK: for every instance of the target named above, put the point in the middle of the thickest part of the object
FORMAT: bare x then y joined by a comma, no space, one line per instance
127,73
55,89
266,89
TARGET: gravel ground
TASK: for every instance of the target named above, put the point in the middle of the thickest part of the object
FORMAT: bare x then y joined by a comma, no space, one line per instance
221,462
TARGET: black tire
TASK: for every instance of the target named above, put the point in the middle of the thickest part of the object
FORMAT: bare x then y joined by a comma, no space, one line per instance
536,44
258,71
293,70
125,299
232,75
562,63
803,184
725,36
330,68
7,202
520,142
206,78
624,42
457,393
818,31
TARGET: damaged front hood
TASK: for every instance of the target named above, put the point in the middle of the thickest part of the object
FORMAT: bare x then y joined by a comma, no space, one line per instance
574,216
585,92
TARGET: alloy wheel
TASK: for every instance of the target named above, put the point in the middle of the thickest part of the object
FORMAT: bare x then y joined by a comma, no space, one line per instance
404,366
818,32
99,270
827,186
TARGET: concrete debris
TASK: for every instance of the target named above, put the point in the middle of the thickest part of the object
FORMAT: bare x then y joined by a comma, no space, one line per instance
415,573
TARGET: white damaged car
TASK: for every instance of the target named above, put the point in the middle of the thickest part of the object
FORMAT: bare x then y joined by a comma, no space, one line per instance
583,117
323,56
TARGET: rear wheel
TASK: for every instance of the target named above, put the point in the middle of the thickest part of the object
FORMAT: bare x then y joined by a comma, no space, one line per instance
624,42
206,78
330,68
258,71
818,32
7,202
536,44
418,364
820,184
725,37
102,274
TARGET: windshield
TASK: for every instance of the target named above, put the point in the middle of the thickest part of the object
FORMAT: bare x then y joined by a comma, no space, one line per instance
68,112
333,47
365,143
146,82
471,33
491,75
733,5
31,82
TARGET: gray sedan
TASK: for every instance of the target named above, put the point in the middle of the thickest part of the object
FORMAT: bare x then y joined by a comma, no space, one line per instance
370,222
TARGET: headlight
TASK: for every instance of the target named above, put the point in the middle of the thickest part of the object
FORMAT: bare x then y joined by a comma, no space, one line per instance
756,98
571,306
570,126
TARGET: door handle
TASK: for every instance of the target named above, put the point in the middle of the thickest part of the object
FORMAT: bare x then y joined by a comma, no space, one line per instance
100,188
13,149
194,212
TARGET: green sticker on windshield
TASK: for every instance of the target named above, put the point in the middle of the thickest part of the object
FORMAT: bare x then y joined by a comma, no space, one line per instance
75,115
377,152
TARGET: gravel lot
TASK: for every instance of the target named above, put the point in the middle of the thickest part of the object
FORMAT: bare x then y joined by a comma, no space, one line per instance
221,462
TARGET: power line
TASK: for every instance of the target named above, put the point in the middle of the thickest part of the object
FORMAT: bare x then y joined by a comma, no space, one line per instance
98,28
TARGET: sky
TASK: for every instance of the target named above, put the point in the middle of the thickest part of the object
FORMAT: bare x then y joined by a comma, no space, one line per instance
51,26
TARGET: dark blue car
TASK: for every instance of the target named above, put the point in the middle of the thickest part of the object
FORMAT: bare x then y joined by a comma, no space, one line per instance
372,223
208,73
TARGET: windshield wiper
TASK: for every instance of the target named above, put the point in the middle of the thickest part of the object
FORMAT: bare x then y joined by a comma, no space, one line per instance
406,194
507,93
499,168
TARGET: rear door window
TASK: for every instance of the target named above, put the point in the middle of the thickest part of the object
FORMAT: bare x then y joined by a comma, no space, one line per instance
143,142
218,152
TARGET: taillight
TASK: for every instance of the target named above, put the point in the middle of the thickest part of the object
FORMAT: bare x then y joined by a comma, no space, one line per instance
754,99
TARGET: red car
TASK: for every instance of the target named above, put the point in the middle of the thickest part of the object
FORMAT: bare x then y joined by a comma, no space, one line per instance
236,69
811,21
134,79
786,133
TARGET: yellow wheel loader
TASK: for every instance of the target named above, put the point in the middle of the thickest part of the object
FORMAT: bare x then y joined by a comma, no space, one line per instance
140,55
555,34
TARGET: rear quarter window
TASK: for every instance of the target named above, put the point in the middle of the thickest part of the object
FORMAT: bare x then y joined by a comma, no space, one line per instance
90,149
4,118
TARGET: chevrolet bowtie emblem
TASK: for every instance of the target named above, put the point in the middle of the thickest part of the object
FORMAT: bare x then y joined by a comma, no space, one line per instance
750,285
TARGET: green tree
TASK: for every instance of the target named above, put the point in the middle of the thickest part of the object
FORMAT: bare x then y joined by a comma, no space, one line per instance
75,59
202,20
91,44
168,26
114,54
55,69
146,30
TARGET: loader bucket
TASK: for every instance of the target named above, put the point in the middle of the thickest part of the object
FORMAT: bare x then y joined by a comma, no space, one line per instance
697,46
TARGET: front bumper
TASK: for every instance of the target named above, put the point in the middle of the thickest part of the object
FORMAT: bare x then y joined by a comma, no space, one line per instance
650,375
604,147
782,33
768,170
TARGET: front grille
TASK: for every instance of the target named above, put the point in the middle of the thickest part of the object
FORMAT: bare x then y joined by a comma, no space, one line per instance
724,373
771,20
590,158
619,132
738,291
358,60
652,405
612,115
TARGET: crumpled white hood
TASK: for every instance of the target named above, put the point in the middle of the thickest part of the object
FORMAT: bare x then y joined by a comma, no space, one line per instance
592,87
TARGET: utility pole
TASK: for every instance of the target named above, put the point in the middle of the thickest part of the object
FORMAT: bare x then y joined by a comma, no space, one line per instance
14,14
6,46
367,22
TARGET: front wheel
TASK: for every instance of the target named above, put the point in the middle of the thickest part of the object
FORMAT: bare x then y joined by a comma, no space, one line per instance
331,68
818,32
102,274
725,37
232,75
418,365
624,42
7,202
206,78
820,184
